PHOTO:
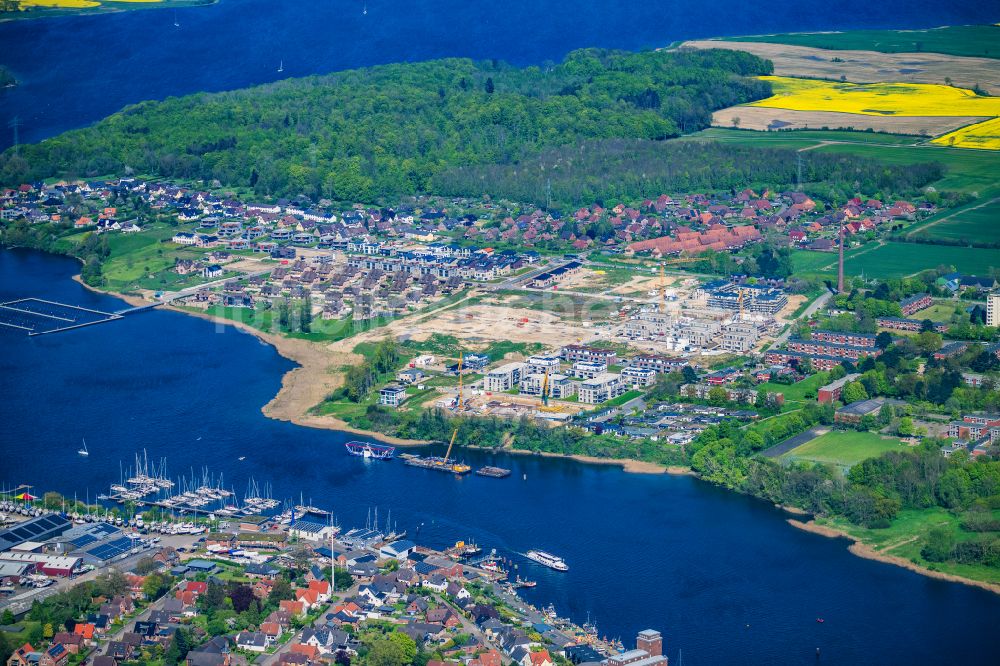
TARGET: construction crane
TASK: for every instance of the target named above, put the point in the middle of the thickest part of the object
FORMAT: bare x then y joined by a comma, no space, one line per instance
663,290
663,277
447,453
545,389
739,301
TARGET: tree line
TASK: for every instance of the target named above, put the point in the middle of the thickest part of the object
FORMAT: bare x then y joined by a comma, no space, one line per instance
366,134
633,168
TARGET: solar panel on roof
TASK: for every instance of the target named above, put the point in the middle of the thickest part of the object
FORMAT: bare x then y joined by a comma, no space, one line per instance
112,549
83,540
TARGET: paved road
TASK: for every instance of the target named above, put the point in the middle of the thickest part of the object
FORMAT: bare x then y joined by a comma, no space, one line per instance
813,308
169,297
513,282
269,659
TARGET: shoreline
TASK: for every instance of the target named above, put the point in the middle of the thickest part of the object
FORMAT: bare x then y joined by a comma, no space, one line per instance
305,386
867,552
283,408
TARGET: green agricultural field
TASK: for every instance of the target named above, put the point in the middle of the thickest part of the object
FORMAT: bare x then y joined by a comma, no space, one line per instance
894,260
961,40
979,222
843,448
797,138
810,261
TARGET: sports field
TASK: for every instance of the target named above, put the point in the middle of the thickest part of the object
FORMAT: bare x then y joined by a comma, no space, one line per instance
895,260
843,448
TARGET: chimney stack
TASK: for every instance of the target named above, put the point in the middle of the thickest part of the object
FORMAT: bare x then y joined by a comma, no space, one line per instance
840,263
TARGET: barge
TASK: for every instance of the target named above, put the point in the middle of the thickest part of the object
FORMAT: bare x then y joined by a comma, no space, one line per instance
493,472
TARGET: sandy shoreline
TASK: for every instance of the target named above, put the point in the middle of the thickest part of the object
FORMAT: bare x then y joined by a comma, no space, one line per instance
317,375
627,465
307,385
869,553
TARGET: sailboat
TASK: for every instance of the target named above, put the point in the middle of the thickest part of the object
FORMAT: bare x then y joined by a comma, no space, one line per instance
281,66
364,12
176,24
84,451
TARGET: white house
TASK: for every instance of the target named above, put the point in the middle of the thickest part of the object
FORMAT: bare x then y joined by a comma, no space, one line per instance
252,641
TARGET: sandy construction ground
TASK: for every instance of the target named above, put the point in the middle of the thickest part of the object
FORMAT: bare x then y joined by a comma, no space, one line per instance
761,118
869,66
486,323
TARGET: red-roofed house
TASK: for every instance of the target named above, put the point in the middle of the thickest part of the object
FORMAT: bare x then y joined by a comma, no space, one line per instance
85,629
293,607
20,656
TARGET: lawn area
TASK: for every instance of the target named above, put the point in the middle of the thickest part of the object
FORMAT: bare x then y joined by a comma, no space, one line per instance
843,448
323,330
622,399
895,260
941,312
960,40
799,391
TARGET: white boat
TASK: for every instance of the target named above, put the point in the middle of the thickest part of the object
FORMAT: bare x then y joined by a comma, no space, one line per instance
281,66
547,559
84,451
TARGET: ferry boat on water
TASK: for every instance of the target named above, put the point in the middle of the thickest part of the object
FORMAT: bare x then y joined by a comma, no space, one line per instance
547,559
372,451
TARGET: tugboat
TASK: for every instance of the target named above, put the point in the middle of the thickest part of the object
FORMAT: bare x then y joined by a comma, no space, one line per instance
370,451
547,559
521,582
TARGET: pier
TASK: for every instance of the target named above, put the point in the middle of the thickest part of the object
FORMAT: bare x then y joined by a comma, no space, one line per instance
38,316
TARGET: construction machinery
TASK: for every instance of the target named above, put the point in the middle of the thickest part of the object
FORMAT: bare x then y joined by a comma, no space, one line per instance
441,464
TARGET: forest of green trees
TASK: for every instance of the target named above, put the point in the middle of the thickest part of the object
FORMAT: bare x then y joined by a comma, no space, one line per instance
363,134
621,169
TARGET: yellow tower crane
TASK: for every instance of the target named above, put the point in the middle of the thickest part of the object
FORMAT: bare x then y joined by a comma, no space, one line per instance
447,454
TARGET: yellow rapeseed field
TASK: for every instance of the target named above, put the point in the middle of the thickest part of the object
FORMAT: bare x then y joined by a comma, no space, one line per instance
984,135
893,99
70,4
877,99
